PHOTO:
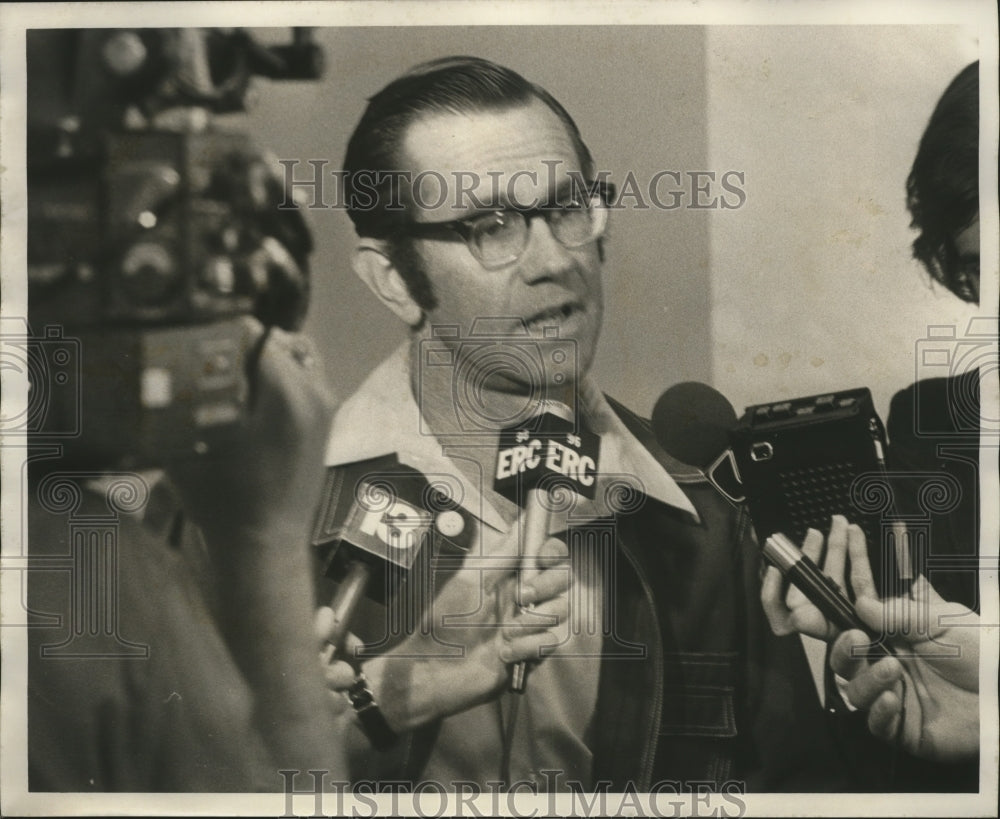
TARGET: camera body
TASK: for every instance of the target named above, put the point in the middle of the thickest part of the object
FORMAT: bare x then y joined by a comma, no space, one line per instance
152,235
543,369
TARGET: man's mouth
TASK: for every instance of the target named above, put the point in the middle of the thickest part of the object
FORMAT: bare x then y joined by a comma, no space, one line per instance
553,315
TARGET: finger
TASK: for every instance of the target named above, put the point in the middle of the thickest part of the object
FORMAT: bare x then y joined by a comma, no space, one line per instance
892,617
303,350
870,683
842,658
836,550
812,547
258,337
539,618
493,569
545,585
526,647
323,622
861,570
811,621
339,676
553,552
923,591
331,631
874,614
774,607
884,715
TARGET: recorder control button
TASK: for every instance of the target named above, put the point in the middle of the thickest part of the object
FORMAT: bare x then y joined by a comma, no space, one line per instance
783,410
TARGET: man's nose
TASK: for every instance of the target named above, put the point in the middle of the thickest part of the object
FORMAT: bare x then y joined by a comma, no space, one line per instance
545,257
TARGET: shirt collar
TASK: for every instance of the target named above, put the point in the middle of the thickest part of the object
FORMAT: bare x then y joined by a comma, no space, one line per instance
383,418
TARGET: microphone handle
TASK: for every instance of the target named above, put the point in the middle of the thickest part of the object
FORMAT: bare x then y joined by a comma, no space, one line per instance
819,589
534,533
369,715
346,599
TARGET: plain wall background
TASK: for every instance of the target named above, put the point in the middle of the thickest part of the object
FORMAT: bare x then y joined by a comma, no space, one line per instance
808,287
814,287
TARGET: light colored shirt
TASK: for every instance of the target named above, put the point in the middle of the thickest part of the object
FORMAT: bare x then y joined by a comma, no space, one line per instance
549,731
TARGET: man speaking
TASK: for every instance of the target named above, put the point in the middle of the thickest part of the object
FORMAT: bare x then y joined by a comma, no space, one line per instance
633,605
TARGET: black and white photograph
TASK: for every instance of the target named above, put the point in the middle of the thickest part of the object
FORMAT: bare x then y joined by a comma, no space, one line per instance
499,408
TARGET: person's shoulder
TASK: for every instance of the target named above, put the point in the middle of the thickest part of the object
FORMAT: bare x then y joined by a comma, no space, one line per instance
934,406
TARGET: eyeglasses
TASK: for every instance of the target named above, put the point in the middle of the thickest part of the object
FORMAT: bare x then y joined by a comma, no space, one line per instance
499,237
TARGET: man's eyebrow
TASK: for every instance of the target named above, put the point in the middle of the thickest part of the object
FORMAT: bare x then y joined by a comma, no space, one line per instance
565,188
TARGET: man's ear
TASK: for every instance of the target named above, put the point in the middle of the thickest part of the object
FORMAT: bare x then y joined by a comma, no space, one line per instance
374,267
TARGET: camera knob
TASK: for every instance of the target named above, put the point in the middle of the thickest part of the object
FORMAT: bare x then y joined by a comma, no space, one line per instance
148,273
124,53
219,274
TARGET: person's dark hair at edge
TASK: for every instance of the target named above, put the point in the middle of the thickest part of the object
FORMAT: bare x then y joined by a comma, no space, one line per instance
449,85
942,191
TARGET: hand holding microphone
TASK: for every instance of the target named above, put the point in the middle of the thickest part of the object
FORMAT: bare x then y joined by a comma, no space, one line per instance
547,454
445,642
922,693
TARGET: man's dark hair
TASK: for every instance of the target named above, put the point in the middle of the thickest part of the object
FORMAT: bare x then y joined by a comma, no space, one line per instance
449,85
942,191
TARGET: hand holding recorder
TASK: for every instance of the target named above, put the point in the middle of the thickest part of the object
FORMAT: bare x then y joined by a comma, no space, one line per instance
930,683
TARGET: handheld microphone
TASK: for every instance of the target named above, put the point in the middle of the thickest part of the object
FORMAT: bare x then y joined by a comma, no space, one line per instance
691,422
547,452
381,520
819,589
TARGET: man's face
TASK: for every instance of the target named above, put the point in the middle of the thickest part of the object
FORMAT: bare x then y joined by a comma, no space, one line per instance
522,154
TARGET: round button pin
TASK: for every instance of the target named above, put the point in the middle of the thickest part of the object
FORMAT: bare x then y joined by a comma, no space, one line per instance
450,523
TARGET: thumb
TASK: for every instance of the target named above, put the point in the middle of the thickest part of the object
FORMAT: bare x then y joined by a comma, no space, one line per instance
924,592
892,617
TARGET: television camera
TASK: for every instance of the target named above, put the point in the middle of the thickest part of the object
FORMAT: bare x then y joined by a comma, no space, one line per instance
152,233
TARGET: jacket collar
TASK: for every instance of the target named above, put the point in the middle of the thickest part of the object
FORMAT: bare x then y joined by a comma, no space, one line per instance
382,418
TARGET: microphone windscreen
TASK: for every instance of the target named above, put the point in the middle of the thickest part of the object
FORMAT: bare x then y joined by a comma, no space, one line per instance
691,422
390,516
547,450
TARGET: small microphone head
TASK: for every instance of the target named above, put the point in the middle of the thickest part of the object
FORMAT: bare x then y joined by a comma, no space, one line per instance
388,515
691,422
546,450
